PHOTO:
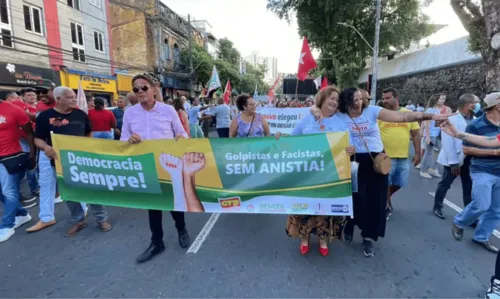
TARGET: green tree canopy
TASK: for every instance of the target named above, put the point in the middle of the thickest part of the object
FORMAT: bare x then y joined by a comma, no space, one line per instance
228,67
228,53
401,23
202,64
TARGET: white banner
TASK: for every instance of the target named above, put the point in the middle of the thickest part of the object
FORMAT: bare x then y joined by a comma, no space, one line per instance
282,119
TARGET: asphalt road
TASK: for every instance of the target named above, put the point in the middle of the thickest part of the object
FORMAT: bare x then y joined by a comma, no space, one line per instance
249,256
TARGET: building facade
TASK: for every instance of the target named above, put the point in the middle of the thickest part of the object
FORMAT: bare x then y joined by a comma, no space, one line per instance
152,37
24,54
85,40
45,43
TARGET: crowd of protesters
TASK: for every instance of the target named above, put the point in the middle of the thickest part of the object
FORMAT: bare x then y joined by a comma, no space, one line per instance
384,142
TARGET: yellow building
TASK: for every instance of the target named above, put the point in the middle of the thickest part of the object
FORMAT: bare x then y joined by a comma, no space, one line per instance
97,85
124,83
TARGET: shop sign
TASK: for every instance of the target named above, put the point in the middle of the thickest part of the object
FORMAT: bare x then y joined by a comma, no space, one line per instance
23,75
97,84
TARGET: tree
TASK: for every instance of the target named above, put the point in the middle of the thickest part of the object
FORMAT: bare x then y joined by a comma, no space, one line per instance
228,53
401,23
483,24
228,67
202,64
227,71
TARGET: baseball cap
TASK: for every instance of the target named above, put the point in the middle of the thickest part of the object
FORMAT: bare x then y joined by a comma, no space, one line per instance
492,99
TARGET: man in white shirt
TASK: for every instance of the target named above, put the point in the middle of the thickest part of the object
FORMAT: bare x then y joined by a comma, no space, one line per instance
452,157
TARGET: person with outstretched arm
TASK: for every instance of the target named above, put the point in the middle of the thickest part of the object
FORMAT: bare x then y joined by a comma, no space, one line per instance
490,142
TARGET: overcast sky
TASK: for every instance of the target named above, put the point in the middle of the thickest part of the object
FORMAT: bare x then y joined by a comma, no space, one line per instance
252,27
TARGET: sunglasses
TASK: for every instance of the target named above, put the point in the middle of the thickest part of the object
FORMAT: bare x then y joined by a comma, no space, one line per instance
144,88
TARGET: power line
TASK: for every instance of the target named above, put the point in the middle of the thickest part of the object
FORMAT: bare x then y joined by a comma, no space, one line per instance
67,52
61,25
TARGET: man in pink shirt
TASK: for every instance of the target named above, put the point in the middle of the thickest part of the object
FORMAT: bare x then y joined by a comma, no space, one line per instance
153,120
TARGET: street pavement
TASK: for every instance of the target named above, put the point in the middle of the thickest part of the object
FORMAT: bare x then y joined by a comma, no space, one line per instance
249,256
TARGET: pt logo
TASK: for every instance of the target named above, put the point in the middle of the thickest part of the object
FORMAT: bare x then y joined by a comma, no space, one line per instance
3,120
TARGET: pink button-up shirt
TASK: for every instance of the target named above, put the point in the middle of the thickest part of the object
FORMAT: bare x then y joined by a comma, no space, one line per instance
161,122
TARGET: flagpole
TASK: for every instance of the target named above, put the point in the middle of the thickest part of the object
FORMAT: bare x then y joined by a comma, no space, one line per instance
296,88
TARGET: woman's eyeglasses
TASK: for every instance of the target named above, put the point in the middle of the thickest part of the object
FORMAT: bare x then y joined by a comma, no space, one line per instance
144,88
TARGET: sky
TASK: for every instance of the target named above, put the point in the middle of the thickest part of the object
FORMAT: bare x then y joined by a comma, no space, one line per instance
252,27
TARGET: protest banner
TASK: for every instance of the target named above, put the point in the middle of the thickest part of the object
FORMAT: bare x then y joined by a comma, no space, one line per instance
305,175
283,119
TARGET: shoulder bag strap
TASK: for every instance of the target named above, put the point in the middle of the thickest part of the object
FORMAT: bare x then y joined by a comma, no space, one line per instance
251,125
362,138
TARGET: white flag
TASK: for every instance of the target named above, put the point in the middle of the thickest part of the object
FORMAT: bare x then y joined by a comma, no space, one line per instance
81,100
317,82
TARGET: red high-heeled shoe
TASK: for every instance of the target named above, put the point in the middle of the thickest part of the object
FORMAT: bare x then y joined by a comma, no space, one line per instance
304,249
323,251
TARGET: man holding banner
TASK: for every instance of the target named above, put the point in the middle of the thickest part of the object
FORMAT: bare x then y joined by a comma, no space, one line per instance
63,119
146,121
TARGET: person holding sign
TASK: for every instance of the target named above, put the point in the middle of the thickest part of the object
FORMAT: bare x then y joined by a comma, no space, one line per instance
248,123
65,119
374,165
327,228
149,120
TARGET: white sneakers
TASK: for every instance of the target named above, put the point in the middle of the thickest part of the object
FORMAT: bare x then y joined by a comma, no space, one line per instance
494,290
425,175
6,233
20,220
58,200
434,172
431,172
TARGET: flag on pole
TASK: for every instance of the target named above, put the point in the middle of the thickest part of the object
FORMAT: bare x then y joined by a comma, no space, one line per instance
81,99
214,81
317,82
270,94
324,83
255,92
306,61
227,92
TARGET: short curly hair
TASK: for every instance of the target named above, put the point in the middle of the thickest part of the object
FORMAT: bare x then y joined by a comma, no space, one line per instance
242,100
324,94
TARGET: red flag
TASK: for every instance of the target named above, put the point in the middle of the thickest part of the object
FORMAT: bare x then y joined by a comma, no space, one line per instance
227,93
270,94
306,61
324,83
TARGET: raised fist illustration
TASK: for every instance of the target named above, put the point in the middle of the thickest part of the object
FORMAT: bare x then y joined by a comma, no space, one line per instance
171,164
193,162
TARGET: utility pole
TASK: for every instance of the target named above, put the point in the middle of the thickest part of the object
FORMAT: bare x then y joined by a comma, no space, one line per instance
191,73
375,54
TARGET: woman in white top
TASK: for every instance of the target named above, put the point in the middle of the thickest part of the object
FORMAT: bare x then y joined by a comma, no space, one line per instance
370,200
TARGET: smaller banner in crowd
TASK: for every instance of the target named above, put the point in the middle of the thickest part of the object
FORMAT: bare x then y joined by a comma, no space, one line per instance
304,175
283,119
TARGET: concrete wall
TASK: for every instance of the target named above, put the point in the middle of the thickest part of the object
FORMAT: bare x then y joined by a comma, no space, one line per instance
131,39
453,81
440,56
447,68
92,18
16,56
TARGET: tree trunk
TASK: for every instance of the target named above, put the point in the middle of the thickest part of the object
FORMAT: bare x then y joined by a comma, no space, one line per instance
491,57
